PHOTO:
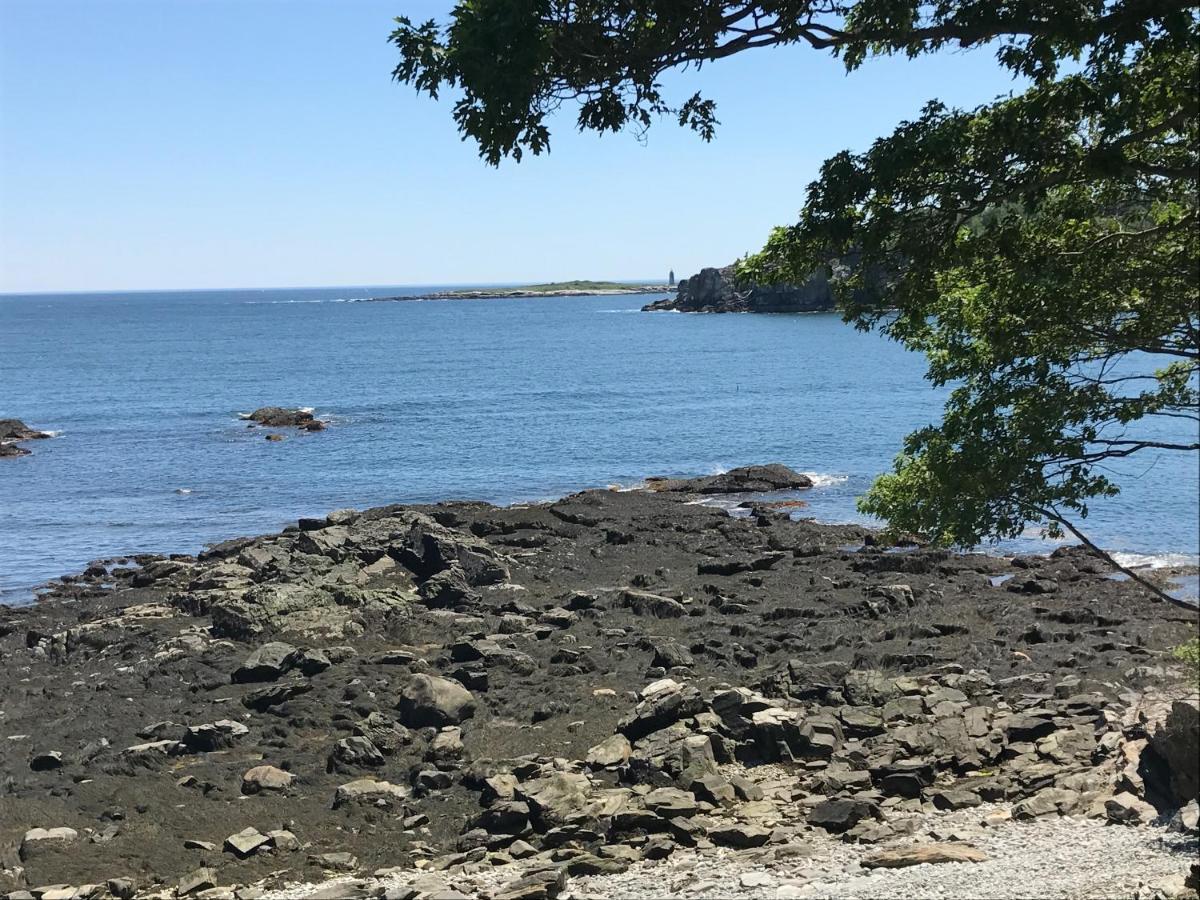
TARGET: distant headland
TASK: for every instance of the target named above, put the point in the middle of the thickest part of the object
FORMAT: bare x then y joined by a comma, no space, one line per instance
550,289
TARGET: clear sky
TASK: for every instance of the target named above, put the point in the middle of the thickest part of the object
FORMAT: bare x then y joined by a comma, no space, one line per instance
252,143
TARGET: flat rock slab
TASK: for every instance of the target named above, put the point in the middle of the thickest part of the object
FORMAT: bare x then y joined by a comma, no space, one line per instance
921,854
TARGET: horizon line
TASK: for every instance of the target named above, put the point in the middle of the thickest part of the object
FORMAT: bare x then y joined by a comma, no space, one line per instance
323,287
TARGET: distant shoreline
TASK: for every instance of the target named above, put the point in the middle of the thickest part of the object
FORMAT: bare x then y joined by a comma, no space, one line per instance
553,289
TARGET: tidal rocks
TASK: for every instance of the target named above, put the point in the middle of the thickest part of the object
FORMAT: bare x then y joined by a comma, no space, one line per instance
283,417
13,431
508,721
742,480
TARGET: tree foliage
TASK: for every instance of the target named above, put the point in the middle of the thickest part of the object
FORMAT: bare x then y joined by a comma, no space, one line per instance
1041,250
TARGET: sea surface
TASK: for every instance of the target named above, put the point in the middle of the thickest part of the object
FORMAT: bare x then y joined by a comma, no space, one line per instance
501,400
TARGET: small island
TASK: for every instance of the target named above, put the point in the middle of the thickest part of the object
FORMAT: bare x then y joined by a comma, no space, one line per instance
578,288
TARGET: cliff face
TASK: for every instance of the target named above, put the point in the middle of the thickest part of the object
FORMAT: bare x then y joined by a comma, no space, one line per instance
712,290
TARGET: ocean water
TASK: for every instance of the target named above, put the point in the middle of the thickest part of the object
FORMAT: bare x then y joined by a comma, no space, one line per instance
500,400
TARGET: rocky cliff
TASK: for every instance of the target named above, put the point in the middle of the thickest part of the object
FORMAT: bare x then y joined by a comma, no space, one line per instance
713,290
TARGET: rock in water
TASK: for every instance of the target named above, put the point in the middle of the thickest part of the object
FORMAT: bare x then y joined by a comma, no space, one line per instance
921,854
283,417
432,700
14,430
743,480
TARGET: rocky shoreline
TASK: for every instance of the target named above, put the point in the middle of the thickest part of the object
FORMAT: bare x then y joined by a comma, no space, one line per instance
713,290
582,697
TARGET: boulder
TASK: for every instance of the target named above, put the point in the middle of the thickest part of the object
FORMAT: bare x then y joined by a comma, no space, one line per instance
367,790
557,799
433,700
1176,742
837,816
201,879
924,854
246,842
1187,819
739,835
1046,801
46,762
430,548
212,736
353,753
39,840
267,663
646,604
1128,809
611,752
545,884
266,778
276,694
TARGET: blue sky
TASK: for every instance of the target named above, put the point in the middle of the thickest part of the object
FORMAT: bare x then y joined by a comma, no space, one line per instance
252,143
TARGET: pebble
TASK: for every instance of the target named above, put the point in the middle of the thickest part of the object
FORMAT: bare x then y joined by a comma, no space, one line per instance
1063,858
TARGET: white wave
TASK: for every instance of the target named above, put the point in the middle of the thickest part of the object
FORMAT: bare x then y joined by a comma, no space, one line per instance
183,490
1155,560
618,487
54,434
826,479
307,409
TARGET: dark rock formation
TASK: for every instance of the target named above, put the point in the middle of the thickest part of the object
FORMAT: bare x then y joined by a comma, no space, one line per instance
14,430
742,480
563,697
713,290
282,417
